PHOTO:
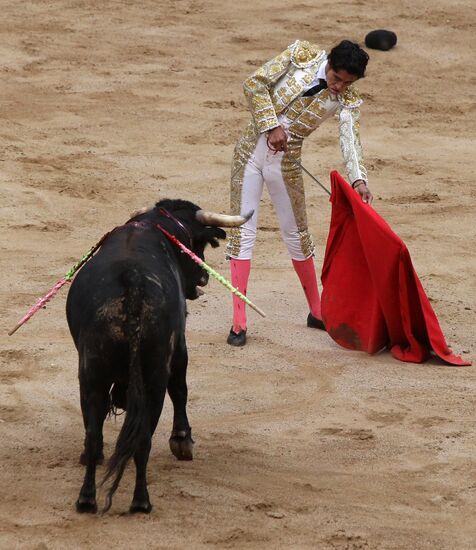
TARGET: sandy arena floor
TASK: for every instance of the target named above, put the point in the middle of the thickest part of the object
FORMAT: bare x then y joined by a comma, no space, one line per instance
109,106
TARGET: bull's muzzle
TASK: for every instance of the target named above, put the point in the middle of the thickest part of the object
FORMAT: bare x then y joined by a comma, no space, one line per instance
203,281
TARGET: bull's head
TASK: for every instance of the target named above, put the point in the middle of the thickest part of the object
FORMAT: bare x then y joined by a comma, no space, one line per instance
196,228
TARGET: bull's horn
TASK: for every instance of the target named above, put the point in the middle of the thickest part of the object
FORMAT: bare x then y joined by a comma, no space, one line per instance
222,220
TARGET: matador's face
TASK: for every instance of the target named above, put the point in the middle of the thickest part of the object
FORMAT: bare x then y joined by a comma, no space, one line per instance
339,81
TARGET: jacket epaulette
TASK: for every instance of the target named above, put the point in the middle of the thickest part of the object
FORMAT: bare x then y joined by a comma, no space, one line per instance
304,54
350,98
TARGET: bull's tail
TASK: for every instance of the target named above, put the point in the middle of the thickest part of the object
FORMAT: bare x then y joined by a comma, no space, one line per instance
136,422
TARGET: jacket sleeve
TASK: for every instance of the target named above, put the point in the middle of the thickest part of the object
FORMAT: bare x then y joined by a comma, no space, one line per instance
351,147
258,86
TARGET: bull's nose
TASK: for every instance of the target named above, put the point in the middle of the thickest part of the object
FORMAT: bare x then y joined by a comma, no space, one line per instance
203,280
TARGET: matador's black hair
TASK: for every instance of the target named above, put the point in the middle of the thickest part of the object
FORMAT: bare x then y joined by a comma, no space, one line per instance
350,57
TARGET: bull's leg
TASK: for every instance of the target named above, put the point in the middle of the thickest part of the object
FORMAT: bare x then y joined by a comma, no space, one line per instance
181,442
95,404
100,453
141,501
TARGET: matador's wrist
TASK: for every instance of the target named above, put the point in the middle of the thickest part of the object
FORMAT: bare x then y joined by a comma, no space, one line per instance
359,182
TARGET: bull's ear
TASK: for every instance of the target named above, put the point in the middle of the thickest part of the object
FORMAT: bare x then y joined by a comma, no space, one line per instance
139,212
211,234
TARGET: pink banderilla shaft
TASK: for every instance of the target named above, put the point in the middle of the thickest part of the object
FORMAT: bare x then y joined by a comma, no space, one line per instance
211,271
51,293
39,304
70,274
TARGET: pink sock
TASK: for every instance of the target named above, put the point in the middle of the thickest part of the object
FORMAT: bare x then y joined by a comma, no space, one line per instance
307,276
240,271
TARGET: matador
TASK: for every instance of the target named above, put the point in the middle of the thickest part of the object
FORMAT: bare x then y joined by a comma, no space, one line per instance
289,97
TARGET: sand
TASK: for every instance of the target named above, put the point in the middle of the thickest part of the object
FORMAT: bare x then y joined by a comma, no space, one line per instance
109,106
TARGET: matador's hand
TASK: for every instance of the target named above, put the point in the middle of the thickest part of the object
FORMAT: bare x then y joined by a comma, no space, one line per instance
277,139
361,187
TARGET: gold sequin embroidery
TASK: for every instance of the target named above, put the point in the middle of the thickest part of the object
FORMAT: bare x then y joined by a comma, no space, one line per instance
243,150
305,54
350,98
293,180
350,144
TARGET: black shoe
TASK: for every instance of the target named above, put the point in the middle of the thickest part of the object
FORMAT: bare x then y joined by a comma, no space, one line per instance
236,339
313,322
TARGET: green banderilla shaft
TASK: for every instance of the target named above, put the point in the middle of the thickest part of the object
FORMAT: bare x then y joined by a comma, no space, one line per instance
210,270
229,286
70,274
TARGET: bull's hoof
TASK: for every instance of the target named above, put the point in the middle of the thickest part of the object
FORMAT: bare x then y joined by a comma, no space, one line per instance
84,462
181,444
140,507
86,505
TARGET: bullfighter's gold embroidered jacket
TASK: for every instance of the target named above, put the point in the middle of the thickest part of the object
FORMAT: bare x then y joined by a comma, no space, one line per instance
276,89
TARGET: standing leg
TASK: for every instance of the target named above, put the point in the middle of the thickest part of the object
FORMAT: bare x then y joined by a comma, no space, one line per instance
84,410
94,404
141,500
155,395
240,272
245,196
180,442
287,193
307,275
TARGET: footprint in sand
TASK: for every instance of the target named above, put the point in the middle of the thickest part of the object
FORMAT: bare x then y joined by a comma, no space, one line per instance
386,418
359,434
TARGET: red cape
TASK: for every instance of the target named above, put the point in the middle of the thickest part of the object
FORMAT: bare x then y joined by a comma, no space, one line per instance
372,297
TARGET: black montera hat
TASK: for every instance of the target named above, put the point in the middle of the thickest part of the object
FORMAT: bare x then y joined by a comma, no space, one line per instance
381,40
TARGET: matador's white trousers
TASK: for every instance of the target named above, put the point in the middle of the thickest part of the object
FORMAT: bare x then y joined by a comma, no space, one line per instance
264,167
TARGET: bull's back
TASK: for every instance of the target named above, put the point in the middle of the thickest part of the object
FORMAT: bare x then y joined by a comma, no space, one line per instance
110,293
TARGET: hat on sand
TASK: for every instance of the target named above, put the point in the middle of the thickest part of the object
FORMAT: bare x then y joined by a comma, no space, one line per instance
381,40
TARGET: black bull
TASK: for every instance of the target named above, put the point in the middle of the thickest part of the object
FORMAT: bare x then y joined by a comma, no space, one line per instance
126,312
